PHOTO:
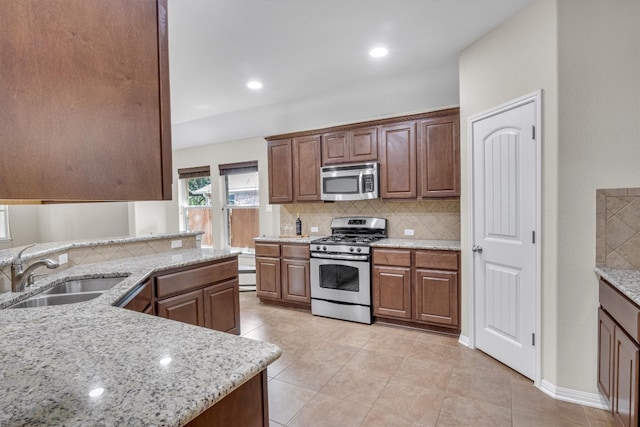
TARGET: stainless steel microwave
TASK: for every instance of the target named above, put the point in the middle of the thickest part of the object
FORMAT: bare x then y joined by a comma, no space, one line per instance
349,182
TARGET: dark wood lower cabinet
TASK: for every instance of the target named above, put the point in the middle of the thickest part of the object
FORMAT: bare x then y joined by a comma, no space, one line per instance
295,281
222,307
186,308
418,288
619,354
283,274
268,277
247,406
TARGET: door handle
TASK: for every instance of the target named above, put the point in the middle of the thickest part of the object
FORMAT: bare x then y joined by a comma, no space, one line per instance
477,248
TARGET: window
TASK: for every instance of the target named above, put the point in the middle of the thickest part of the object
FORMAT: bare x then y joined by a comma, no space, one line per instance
241,205
195,202
5,234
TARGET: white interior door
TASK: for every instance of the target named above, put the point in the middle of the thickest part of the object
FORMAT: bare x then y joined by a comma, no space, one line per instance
505,218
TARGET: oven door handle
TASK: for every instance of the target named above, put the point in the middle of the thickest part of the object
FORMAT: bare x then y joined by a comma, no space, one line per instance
341,257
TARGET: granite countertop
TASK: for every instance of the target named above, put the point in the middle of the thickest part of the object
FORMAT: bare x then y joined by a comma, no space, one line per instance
43,249
286,239
152,371
443,245
626,281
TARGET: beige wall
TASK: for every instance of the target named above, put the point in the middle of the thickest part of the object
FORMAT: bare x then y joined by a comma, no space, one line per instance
213,155
585,56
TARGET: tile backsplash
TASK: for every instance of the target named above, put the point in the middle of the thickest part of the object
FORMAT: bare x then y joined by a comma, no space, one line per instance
432,219
618,228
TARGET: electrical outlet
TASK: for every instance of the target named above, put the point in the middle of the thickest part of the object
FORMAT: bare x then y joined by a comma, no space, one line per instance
408,232
176,244
63,259
314,229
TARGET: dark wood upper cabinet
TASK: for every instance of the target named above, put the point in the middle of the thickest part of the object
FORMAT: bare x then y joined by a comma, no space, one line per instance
84,100
439,157
280,171
306,168
354,146
398,161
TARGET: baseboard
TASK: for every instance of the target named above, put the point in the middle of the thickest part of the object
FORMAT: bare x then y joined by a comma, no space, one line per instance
464,340
593,400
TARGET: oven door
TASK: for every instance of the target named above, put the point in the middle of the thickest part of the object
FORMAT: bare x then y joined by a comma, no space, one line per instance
341,280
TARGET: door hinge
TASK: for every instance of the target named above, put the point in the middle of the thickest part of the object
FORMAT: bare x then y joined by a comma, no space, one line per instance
533,339
533,237
533,132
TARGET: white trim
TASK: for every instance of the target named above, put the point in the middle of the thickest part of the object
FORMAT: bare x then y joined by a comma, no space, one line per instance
536,98
463,340
593,400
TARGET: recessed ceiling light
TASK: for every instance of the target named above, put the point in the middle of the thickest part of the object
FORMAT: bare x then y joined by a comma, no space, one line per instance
254,84
378,52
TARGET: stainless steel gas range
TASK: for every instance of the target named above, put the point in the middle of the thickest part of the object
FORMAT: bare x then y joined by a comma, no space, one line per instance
341,268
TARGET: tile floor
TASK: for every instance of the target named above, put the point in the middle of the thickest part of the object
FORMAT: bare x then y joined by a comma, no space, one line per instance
336,373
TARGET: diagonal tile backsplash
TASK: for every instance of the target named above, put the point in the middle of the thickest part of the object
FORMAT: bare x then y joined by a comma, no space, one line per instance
432,219
618,228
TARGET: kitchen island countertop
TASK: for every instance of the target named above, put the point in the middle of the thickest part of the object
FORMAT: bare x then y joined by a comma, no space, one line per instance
92,363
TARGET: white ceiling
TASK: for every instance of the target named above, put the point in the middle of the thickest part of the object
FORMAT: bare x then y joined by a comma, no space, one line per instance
305,49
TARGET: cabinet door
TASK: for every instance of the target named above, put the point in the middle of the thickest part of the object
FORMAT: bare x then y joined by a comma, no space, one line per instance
186,308
398,161
142,301
296,281
436,297
222,307
392,292
363,145
85,100
605,355
268,278
280,161
306,168
626,381
335,148
439,157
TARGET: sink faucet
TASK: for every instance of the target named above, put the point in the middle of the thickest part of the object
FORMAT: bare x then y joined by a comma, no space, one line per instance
20,275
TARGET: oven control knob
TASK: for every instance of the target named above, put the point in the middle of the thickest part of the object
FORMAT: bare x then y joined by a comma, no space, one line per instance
359,249
318,248
351,249
324,248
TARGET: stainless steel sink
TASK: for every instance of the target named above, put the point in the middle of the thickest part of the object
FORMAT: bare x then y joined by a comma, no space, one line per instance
43,300
100,284
71,291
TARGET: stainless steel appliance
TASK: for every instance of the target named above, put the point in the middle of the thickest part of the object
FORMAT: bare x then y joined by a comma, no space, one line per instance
341,268
349,182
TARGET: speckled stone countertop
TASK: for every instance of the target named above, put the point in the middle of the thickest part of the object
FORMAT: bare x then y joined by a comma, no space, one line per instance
43,249
443,245
287,239
626,281
152,371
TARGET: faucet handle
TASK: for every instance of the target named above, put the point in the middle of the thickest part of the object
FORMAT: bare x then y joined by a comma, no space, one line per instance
18,258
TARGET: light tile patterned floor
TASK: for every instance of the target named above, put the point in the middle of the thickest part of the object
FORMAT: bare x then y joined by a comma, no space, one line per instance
335,373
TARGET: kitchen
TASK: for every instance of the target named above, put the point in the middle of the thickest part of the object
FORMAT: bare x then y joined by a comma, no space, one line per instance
547,45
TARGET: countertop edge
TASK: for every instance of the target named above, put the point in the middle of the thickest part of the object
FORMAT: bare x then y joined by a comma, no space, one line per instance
627,281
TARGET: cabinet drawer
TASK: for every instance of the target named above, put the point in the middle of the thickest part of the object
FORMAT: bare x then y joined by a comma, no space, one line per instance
295,251
623,311
268,249
397,257
441,260
182,281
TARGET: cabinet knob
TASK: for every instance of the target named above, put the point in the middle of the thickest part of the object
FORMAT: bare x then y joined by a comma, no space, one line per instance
477,248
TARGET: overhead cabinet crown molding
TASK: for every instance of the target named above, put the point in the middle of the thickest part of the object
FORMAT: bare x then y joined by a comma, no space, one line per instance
419,157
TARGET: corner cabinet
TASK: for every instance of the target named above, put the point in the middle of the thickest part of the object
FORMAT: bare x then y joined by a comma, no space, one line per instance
619,354
283,273
294,169
85,100
205,294
417,288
